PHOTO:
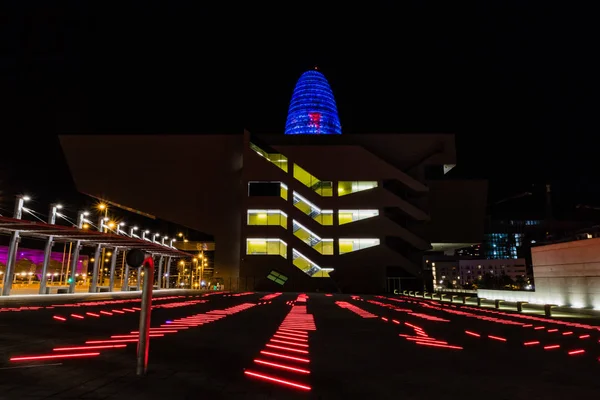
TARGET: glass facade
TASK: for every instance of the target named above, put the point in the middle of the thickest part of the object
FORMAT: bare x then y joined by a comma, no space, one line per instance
349,187
350,245
313,110
267,217
309,267
323,188
324,217
323,246
278,159
258,246
502,245
347,216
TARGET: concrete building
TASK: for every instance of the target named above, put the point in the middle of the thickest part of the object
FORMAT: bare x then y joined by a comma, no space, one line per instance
465,271
565,274
301,211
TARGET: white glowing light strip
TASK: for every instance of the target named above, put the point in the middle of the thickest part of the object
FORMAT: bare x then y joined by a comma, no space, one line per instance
307,230
360,241
259,241
306,201
370,213
267,212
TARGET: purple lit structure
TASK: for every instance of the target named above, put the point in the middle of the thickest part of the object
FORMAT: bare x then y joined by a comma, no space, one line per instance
37,257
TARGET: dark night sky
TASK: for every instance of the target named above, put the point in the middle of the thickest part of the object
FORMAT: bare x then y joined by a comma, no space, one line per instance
514,80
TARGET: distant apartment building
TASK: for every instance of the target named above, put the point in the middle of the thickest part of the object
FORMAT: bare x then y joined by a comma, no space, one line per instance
467,271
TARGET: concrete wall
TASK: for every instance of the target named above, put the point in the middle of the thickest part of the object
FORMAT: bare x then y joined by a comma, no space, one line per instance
566,274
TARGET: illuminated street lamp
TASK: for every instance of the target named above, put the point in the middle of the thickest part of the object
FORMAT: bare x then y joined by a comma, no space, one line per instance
154,237
162,241
171,242
144,235
133,229
12,248
119,225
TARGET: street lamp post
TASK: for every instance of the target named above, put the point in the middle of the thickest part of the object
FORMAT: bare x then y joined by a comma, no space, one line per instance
11,259
94,280
48,249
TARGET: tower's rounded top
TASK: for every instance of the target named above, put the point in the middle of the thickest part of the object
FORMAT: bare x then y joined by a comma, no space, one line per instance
313,110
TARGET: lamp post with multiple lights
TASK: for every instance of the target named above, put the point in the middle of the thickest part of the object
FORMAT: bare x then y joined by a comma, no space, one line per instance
11,259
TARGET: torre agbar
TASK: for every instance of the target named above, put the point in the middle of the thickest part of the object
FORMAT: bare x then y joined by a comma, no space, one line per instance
311,209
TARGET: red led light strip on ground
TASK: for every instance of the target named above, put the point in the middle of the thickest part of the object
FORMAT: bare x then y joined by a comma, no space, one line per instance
54,356
290,339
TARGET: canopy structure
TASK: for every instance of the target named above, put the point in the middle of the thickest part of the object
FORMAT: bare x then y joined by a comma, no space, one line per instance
61,234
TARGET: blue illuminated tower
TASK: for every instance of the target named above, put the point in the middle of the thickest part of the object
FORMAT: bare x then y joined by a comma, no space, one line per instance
312,109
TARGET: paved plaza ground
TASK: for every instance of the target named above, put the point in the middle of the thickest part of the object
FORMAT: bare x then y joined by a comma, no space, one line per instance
290,345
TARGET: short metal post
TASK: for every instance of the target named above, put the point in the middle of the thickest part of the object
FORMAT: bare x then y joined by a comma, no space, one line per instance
160,268
113,266
167,273
48,250
94,281
145,314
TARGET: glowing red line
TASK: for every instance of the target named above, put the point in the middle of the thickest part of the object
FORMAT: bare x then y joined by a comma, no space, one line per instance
472,333
573,352
552,330
118,311
56,317
294,331
440,345
29,358
108,346
283,382
290,338
287,348
286,367
290,343
396,322
413,326
501,339
77,316
128,309
531,343
269,353
584,336
554,346
106,313
537,328
428,341
567,333
110,341
385,319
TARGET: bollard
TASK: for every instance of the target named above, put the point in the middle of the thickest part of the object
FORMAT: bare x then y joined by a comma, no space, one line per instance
548,309
497,303
465,299
520,305
479,301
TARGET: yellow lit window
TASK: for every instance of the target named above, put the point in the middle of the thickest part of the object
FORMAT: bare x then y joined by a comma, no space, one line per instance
347,216
278,159
309,267
266,247
267,217
323,246
323,188
349,187
324,217
350,245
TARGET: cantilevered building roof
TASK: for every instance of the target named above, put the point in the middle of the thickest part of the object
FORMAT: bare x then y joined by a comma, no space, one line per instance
313,110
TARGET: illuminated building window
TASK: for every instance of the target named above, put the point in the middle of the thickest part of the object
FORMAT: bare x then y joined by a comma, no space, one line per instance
324,217
278,159
349,187
271,189
347,216
309,267
350,245
277,277
266,247
323,246
267,217
323,188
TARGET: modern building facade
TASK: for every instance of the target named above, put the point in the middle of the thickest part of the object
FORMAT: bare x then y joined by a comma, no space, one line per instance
307,210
